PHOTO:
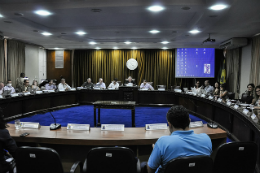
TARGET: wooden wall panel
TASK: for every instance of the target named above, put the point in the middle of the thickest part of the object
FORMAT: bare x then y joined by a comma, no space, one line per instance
55,73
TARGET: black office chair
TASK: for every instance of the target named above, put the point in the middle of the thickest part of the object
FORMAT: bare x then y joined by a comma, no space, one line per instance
177,87
111,160
40,160
231,95
246,98
8,165
192,164
236,157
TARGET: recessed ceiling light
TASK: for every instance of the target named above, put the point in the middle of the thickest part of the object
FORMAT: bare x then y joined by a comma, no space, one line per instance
46,33
97,48
134,48
164,48
56,48
128,42
1,15
154,31
195,31
156,8
164,42
43,13
80,33
115,47
218,7
92,42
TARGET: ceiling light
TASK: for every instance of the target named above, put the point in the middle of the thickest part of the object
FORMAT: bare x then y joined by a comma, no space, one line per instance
43,13
46,33
195,31
134,48
97,48
92,42
164,42
115,47
218,7
154,31
128,42
1,15
56,48
164,48
80,33
156,8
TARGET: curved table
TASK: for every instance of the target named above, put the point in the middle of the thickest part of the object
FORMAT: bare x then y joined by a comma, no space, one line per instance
237,125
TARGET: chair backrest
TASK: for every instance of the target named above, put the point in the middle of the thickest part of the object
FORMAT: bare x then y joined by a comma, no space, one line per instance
231,95
192,164
246,98
238,157
127,80
177,87
111,160
37,159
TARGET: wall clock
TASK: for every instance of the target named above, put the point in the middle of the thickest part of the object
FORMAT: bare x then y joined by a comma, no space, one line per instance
132,64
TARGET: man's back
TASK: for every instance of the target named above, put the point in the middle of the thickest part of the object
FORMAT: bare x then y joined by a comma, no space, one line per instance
178,144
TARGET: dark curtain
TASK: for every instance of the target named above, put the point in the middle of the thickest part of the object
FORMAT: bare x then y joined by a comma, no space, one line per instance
233,60
255,63
15,59
2,61
155,66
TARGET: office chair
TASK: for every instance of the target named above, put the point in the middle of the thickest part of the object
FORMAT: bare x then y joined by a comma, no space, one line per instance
246,98
8,165
192,164
111,160
177,87
40,160
236,157
231,95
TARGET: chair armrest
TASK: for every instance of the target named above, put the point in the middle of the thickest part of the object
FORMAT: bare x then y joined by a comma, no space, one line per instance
85,166
138,166
75,165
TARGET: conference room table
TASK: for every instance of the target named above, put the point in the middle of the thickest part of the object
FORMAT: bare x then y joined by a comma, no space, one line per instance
238,126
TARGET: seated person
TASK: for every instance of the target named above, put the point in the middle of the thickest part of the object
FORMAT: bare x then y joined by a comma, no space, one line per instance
130,80
7,144
114,84
63,86
182,142
257,98
146,85
101,84
20,82
223,94
1,88
197,87
9,86
250,93
50,85
217,90
26,86
208,88
88,84
35,85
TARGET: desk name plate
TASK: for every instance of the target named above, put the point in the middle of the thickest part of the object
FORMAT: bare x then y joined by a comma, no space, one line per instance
196,124
112,127
229,103
236,107
210,98
78,127
219,100
245,111
30,125
156,126
203,95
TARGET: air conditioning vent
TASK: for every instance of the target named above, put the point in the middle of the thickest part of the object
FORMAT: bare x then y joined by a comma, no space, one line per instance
233,43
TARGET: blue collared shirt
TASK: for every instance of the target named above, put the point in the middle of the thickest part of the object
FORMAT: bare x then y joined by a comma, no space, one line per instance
178,144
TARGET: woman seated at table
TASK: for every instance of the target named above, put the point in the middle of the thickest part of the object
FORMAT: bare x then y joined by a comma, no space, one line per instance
223,94
35,85
217,90
197,87
257,98
250,93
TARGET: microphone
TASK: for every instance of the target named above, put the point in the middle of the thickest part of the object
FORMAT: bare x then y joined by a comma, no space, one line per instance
54,126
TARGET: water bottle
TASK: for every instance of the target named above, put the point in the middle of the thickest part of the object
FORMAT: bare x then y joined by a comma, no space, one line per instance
17,124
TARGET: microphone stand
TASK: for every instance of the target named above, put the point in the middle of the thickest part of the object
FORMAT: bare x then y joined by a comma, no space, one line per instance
54,126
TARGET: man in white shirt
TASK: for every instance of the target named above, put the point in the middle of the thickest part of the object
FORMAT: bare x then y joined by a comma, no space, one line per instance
9,86
101,84
1,88
114,84
146,85
63,86
208,88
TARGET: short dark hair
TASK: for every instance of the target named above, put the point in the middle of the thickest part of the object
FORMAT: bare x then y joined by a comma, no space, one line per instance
144,80
178,116
9,80
207,81
115,79
25,80
21,75
223,86
251,84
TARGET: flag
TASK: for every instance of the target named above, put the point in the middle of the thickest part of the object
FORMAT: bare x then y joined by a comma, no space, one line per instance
223,73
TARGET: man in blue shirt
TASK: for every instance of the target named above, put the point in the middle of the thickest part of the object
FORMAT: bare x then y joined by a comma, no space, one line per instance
182,142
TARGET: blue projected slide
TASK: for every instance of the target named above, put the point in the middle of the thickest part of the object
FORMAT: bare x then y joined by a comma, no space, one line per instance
195,63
